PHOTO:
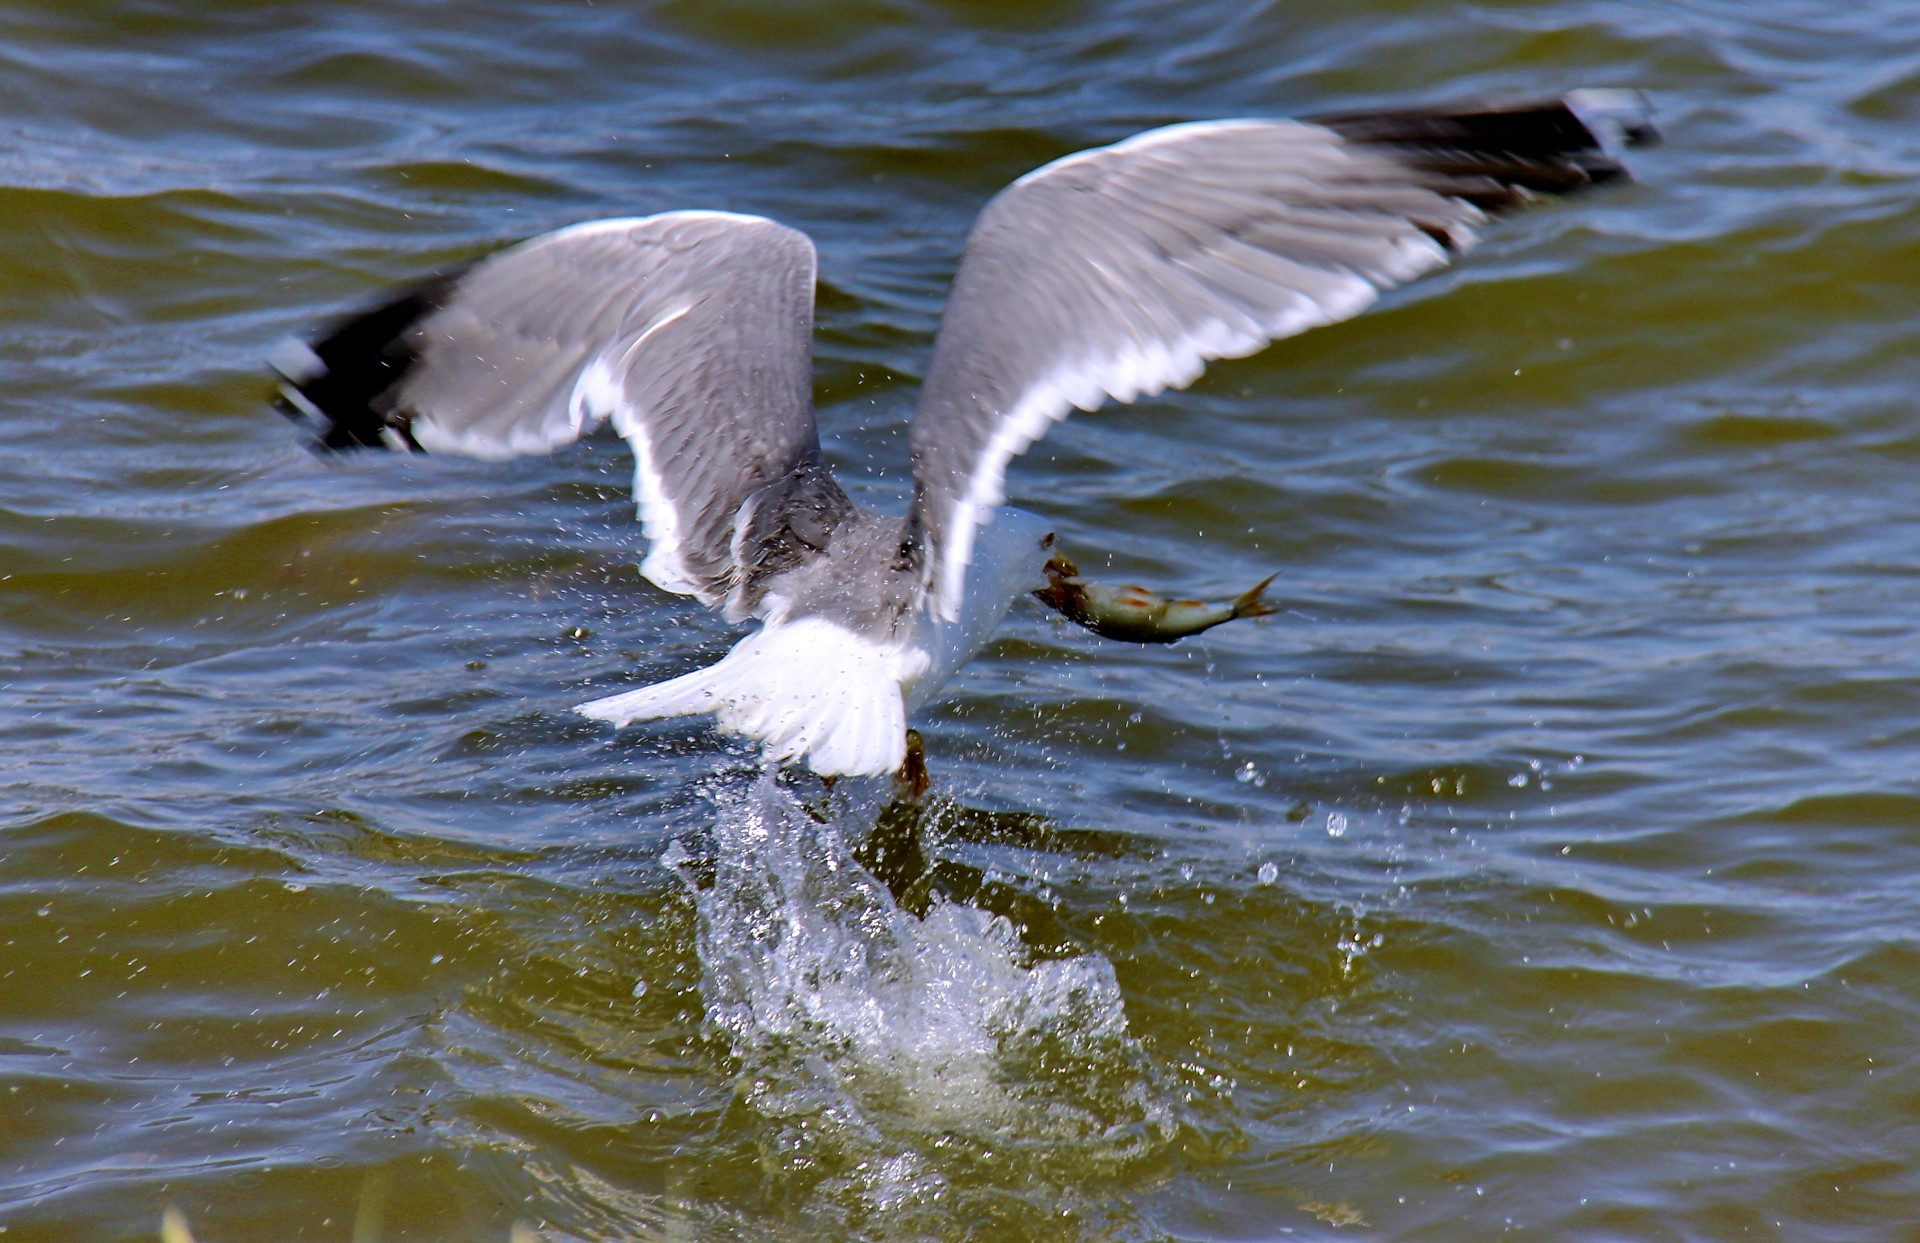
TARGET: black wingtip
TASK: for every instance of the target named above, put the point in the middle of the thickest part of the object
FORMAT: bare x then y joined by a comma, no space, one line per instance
1615,116
339,389
1502,157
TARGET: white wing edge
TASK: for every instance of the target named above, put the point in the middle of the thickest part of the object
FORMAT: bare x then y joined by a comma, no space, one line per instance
1153,367
600,392
1144,371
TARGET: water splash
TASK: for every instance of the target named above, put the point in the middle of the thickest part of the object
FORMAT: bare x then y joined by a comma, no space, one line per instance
894,1052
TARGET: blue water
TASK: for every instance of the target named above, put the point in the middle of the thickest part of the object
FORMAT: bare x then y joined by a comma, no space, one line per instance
1544,869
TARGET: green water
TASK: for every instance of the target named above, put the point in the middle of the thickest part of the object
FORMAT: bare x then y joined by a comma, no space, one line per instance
1545,870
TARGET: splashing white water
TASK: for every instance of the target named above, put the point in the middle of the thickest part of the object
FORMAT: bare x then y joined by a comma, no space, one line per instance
873,1033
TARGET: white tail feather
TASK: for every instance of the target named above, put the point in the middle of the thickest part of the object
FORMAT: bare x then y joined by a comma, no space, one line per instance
804,688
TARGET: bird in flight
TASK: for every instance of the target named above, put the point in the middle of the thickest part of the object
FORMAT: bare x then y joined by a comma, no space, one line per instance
1112,273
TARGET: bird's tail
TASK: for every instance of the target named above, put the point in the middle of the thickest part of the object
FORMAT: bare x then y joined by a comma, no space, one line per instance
805,689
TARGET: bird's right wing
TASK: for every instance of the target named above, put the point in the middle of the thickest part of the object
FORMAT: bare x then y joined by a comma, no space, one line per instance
691,330
1120,271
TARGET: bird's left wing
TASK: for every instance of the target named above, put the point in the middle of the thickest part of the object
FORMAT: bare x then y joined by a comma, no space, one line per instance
691,330
1120,271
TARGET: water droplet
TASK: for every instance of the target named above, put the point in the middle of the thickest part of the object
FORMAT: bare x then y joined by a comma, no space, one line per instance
1518,781
639,988
1336,824
1268,873
1247,773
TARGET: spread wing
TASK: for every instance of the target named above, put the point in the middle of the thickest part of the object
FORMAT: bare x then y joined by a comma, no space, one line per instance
691,331
1119,272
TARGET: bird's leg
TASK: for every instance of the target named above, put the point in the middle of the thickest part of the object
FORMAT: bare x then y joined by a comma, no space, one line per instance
911,782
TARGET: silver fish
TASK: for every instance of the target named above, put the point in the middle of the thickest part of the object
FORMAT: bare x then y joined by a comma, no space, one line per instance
1136,614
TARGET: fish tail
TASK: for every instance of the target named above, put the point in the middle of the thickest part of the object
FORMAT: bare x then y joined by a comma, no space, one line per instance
1249,604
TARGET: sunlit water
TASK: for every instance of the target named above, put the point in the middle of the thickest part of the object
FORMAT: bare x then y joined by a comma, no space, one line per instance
1546,869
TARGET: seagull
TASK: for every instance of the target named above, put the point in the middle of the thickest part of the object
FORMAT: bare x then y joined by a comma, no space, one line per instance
1112,273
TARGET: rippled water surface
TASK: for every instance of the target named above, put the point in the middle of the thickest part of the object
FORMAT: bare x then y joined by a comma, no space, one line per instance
1546,868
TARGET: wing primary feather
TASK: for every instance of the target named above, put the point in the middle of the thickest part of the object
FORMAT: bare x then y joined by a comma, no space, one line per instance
339,387
691,330
1115,273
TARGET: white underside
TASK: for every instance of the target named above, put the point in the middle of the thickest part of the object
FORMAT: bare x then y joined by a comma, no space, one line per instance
805,688
809,688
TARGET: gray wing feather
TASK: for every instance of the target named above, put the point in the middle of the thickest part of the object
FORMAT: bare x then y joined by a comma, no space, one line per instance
692,331
1119,272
